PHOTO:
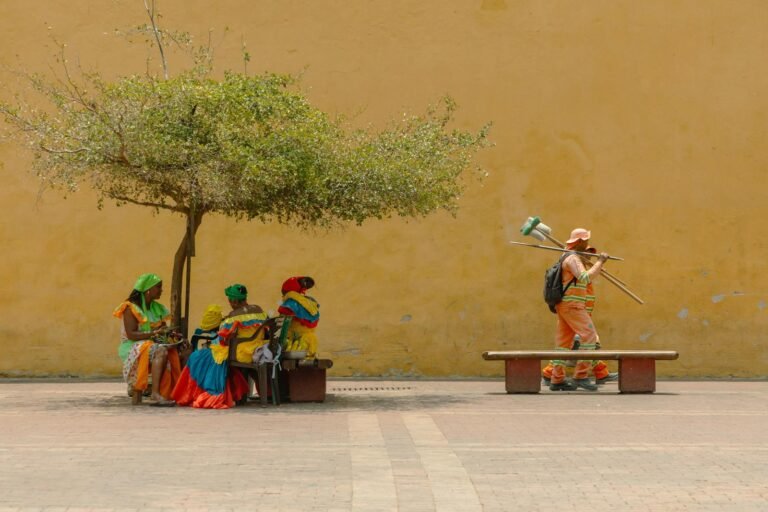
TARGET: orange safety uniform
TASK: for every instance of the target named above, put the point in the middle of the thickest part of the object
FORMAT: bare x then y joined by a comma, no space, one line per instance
574,316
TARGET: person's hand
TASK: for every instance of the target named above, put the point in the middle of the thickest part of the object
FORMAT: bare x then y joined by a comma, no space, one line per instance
602,257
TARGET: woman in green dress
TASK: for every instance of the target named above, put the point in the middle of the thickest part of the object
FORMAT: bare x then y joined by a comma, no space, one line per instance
145,322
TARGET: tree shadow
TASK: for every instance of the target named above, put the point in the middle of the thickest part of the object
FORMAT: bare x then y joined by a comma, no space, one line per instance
379,401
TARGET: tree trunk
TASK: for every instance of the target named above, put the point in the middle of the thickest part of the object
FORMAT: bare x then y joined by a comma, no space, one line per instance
179,261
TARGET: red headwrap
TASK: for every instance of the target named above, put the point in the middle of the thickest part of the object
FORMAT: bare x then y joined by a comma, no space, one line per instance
299,284
292,285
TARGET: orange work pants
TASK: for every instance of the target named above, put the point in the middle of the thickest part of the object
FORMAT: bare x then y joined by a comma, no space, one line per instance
599,369
573,319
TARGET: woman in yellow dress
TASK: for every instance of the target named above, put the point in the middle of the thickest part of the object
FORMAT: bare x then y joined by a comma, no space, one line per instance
242,323
304,313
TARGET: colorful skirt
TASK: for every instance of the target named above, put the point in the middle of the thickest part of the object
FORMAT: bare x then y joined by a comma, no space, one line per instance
207,384
138,364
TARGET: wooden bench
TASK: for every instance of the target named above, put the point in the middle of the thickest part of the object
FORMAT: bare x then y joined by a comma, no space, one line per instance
637,368
299,380
304,380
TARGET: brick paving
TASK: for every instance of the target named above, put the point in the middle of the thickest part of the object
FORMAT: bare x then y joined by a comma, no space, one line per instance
389,445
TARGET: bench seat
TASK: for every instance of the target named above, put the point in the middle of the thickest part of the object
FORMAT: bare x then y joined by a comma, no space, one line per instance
637,368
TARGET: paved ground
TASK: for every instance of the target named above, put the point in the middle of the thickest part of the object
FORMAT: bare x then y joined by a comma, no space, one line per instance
394,445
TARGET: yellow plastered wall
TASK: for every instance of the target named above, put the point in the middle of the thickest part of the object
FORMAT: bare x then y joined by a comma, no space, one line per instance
643,121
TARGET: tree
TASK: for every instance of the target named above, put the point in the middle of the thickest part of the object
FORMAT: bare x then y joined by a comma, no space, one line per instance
244,146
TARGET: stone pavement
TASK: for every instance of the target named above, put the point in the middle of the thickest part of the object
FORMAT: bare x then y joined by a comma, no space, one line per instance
389,445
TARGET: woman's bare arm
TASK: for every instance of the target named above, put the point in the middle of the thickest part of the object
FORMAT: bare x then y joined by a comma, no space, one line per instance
132,331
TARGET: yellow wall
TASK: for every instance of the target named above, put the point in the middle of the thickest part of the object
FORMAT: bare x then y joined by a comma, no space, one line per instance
644,121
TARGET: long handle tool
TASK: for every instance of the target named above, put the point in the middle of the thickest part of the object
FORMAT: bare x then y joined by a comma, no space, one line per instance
540,231
559,249
611,279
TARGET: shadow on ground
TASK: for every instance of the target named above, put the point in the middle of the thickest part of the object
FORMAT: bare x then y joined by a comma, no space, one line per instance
335,402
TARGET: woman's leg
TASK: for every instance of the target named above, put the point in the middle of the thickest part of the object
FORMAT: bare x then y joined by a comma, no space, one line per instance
159,363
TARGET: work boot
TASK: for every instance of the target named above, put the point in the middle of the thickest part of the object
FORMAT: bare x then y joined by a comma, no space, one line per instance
611,377
585,384
566,385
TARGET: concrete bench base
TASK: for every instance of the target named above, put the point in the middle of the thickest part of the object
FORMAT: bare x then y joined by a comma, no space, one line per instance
637,368
305,381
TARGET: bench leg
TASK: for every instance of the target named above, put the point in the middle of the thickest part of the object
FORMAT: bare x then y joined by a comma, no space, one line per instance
263,390
274,379
306,384
637,375
522,375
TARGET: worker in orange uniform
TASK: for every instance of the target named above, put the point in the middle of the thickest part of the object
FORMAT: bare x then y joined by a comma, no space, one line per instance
574,319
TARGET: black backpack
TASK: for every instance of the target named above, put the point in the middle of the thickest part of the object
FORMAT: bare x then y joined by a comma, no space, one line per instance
553,284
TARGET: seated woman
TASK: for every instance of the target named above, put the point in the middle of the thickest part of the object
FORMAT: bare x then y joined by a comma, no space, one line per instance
305,315
209,328
206,382
144,319
243,322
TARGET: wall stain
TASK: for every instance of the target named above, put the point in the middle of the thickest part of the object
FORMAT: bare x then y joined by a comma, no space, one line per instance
718,298
683,314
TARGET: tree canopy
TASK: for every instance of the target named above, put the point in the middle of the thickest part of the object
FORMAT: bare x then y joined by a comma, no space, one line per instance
247,146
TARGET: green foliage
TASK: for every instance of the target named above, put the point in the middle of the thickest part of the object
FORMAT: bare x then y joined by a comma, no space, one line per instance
249,147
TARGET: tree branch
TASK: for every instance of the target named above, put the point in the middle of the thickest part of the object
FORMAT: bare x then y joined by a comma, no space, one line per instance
177,209
21,123
80,99
78,95
151,14
62,151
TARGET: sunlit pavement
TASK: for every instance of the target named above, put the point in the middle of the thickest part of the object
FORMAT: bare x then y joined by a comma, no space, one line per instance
389,445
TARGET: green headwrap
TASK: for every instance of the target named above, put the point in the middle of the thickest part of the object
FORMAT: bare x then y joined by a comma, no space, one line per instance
236,292
146,281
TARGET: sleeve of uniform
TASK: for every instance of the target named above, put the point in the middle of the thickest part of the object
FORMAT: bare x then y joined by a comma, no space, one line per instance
576,267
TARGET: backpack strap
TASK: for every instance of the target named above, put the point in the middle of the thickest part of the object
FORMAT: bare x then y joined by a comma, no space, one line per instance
562,259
